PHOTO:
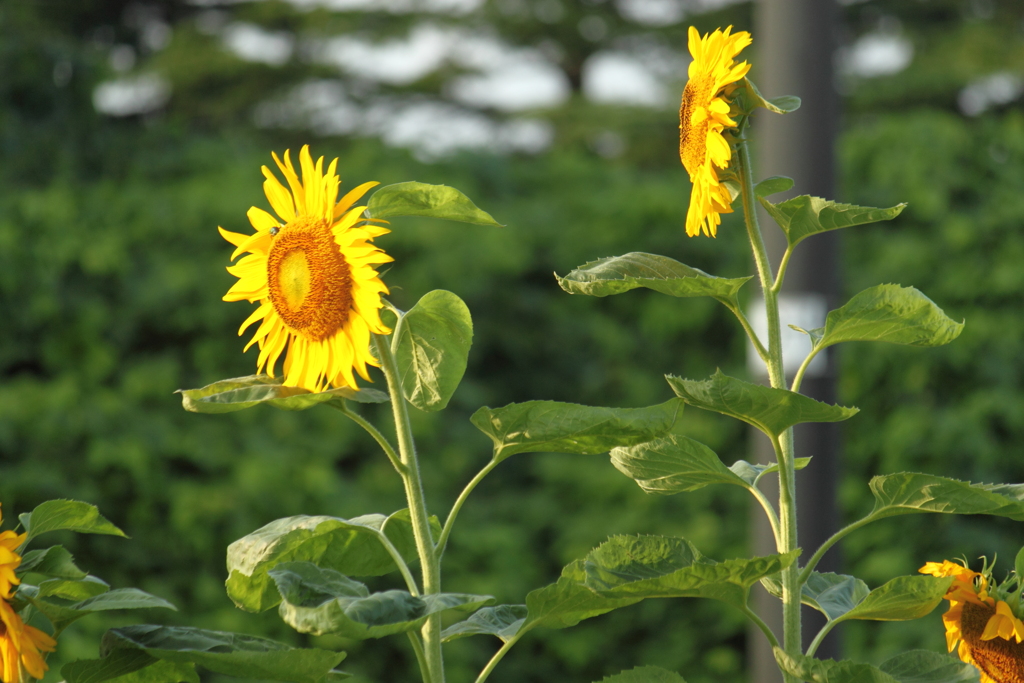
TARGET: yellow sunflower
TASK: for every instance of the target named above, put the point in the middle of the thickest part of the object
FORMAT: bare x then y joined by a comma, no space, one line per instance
989,632
703,116
20,646
9,560
312,271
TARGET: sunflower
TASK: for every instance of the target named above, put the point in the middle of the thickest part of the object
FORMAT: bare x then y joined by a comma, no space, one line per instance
9,560
20,646
988,629
312,271
703,116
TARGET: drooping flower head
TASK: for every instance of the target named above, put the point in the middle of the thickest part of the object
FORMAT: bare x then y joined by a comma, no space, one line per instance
20,644
984,617
312,271
703,116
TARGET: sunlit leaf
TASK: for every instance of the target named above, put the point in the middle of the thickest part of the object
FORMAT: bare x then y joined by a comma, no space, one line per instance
568,601
54,561
901,599
905,493
773,411
230,395
751,98
73,589
420,199
803,216
66,515
673,464
552,427
432,343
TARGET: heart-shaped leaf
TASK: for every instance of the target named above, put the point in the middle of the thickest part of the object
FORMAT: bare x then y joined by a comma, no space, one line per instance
420,199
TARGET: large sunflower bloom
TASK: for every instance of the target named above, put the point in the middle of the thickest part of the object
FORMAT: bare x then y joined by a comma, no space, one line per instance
20,646
989,633
312,271
703,116
9,560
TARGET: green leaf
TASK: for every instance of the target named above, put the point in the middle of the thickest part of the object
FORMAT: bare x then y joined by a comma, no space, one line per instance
54,561
568,601
431,346
803,216
119,598
420,199
902,599
906,493
66,515
552,427
830,671
233,654
752,98
618,274
673,464
924,666
350,546
773,411
890,313
831,594
229,395
319,601
773,185
644,674
663,567
73,589
128,666
751,473
503,621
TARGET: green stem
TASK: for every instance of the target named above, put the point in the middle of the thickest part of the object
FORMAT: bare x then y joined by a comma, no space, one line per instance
381,440
442,541
761,625
421,657
410,581
832,540
417,507
769,511
497,658
799,378
820,637
783,265
758,346
777,377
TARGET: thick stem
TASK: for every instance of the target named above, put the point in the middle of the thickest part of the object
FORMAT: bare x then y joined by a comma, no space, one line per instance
442,542
777,377
431,631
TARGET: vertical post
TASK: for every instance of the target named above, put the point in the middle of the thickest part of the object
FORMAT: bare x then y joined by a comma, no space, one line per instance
794,43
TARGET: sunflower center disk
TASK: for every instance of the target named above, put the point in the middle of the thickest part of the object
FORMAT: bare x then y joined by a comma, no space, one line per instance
1002,660
309,280
693,139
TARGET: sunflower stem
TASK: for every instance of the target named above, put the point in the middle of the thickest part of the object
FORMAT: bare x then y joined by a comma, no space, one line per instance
431,631
784,445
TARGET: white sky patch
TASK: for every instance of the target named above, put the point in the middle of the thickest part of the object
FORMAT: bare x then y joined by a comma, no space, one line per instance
397,62
256,44
993,90
517,86
622,78
877,54
393,6
319,105
666,12
128,96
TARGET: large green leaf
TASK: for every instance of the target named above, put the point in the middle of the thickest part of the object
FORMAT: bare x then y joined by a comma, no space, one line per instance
431,345
901,599
54,561
568,601
503,621
319,601
73,589
805,215
131,648
618,274
420,199
229,395
673,464
889,313
773,411
905,493
120,598
350,546
663,567
66,515
831,594
830,671
644,674
916,666
552,427
924,666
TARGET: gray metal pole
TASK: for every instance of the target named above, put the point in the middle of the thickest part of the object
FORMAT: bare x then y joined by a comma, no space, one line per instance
794,41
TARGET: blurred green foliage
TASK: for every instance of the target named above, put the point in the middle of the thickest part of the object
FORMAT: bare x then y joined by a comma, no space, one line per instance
111,273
